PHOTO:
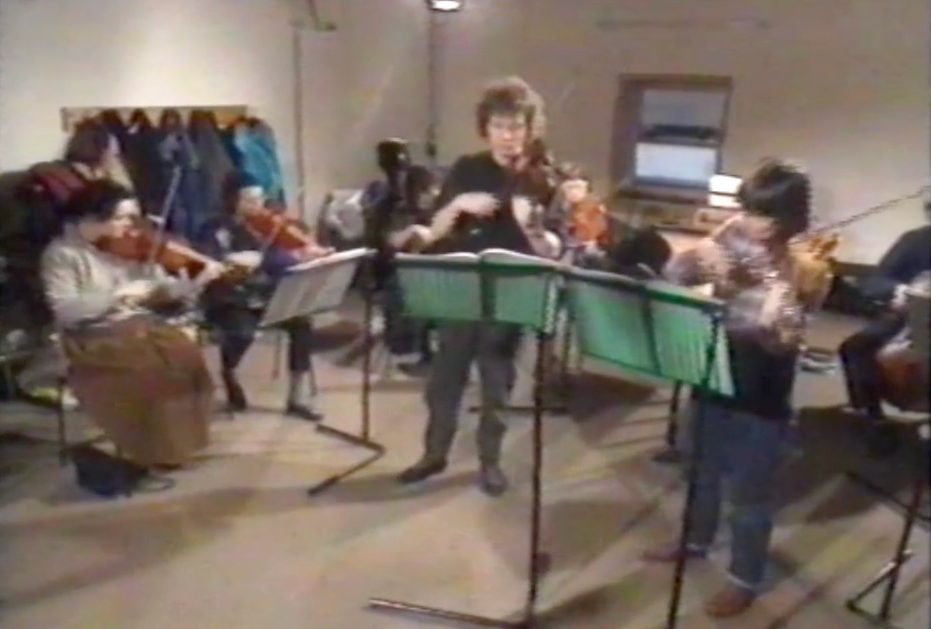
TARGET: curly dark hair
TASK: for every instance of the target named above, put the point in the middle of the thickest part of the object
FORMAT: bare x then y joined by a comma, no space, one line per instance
98,200
780,191
511,96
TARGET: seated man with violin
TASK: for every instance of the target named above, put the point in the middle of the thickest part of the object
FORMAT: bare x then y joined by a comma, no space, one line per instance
396,209
903,263
576,214
488,200
593,240
142,380
253,236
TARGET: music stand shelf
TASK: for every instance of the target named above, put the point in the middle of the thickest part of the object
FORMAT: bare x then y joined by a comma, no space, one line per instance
320,286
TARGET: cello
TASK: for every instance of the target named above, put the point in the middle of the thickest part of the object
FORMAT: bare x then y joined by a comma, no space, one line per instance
903,362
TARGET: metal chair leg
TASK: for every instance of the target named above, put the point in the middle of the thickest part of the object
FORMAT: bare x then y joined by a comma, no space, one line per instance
62,432
276,361
311,374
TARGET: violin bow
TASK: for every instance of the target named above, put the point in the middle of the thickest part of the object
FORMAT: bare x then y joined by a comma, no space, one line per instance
165,214
879,208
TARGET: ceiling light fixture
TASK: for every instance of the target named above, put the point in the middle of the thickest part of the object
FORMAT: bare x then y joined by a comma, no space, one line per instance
446,6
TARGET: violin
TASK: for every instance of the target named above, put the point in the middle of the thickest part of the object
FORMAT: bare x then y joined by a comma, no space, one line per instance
274,230
142,244
588,221
813,267
811,251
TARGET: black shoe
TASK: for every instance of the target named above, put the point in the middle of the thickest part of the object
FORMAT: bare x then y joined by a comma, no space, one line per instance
302,412
235,395
668,455
492,480
883,440
415,370
421,470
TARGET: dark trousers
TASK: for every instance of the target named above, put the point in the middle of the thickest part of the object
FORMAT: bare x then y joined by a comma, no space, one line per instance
494,348
238,326
403,335
858,356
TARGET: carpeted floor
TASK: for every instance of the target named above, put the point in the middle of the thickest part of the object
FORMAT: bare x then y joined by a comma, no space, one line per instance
239,544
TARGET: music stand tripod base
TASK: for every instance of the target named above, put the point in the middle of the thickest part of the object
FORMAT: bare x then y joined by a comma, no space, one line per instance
889,574
315,293
539,561
361,440
377,452
433,612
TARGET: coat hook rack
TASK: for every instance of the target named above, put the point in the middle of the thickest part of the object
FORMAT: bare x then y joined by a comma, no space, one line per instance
225,114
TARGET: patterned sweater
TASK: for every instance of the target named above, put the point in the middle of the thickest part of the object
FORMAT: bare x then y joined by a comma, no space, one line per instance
749,268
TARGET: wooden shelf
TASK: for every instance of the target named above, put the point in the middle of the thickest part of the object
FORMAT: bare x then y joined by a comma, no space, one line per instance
661,195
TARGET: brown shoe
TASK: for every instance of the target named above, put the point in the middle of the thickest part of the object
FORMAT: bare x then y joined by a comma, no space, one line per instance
668,554
730,601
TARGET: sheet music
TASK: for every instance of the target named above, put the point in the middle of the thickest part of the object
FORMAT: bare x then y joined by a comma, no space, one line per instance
311,287
450,286
330,260
505,256
460,257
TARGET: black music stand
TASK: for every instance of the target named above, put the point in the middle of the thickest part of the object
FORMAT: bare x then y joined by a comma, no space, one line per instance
889,574
320,286
919,316
491,289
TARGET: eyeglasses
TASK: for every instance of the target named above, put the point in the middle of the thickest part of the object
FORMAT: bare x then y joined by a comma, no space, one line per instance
513,127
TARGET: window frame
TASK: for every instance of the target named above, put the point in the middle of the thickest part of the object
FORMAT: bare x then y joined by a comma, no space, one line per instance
628,132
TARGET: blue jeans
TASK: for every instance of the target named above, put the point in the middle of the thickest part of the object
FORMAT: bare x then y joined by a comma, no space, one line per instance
744,450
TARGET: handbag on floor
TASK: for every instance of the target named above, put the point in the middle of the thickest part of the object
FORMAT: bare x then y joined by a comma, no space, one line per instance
108,476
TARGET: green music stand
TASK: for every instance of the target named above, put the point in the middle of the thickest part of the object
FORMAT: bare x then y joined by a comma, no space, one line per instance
661,331
492,287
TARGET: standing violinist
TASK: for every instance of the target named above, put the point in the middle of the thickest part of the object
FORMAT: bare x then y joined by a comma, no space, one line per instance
235,309
743,438
485,203
398,209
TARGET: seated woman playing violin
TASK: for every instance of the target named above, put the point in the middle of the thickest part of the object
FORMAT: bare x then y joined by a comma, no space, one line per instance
143,381
250,230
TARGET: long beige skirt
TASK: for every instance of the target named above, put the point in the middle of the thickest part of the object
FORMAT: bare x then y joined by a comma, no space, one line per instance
146,385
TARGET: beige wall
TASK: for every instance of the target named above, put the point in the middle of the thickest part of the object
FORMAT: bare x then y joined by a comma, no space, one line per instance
840,85
364,82
361,82
58,53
